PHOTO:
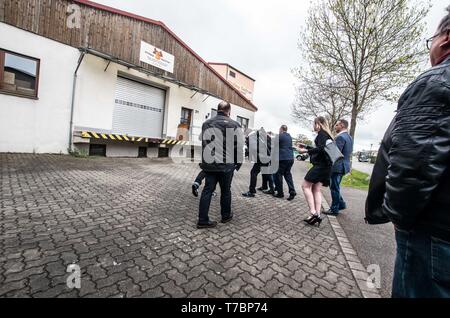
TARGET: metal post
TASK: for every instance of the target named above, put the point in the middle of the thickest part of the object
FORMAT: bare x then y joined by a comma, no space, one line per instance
80,60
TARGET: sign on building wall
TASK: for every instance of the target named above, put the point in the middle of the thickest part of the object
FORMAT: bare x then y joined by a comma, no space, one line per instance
156,57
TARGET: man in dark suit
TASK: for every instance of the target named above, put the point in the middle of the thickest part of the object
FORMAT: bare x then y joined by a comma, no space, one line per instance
345,144
220,159
286,156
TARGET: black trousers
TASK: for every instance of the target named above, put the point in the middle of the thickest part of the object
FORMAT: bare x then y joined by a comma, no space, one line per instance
267,178
284,170
224,179
268,183
201,176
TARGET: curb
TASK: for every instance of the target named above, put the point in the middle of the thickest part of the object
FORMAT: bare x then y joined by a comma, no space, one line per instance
358,270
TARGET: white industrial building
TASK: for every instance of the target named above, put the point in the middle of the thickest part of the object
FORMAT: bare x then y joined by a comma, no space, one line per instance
65,88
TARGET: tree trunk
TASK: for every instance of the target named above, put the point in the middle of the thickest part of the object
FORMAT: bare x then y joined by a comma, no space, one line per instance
353,123
353,127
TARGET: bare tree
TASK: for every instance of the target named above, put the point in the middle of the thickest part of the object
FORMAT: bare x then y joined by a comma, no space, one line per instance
372,47
303,139
317,96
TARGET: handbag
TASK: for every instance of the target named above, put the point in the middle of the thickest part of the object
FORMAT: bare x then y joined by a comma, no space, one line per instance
333,152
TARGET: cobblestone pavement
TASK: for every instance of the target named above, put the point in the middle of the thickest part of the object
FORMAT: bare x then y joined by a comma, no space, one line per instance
130,226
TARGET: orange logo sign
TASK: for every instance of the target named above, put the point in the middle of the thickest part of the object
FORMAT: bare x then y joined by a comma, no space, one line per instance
158,54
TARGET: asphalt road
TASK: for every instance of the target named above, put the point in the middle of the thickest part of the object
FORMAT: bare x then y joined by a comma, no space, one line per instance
373,244
362,166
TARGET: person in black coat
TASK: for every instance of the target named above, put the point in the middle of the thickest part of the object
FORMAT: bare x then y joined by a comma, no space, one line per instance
219,161
320,173
410,184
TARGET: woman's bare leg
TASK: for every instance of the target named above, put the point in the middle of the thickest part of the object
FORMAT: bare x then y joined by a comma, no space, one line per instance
309,196
317,193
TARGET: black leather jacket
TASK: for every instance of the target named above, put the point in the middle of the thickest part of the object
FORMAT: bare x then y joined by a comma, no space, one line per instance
231,156
410,183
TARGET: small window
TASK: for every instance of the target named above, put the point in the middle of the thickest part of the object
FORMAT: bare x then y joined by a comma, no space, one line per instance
19,74
232,74
186,117
243,121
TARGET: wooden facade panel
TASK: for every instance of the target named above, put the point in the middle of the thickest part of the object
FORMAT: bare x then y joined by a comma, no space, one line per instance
116,35
2,10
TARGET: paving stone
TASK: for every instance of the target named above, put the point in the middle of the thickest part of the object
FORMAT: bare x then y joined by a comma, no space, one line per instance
130,226
174,291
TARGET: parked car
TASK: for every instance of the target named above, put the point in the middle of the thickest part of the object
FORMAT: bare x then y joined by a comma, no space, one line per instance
300,156
363,157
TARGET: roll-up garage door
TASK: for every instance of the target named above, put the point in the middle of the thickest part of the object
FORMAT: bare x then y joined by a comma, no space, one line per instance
138,109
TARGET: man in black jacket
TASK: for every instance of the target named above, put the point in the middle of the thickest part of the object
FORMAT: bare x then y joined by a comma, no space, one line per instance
222,154
410,184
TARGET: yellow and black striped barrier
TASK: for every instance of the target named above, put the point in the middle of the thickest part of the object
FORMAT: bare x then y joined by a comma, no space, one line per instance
116,137
175,142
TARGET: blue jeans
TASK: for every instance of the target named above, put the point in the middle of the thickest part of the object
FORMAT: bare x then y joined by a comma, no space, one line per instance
335,187
422,267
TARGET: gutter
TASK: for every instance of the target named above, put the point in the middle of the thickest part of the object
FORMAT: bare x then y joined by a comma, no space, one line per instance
72,108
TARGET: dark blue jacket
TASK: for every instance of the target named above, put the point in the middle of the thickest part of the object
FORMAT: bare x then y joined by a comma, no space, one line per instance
345,144
286,149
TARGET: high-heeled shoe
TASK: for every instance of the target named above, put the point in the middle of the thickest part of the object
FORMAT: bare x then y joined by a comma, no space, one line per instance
312,217
317,220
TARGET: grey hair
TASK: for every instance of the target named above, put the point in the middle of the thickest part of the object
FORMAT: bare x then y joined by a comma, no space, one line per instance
445,22
284,128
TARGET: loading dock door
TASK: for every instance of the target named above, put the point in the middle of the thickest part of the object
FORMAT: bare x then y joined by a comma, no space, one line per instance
138,109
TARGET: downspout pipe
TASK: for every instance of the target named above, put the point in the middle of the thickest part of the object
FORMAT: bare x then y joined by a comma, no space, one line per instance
72,108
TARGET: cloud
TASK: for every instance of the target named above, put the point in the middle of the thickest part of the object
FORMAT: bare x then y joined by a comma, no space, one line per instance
259,37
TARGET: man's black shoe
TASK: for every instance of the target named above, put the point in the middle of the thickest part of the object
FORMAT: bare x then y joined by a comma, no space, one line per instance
292,197
210,225
278,195
332,213
342,208
262,189
248,195
272,192
195,189
226,220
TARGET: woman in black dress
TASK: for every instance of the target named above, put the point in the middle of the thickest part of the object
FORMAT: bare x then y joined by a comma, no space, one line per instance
320,173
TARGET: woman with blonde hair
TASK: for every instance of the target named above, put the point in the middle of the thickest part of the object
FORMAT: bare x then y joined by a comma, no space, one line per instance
320,173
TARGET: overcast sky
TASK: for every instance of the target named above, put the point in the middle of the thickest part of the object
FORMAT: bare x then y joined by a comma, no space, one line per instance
259,37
